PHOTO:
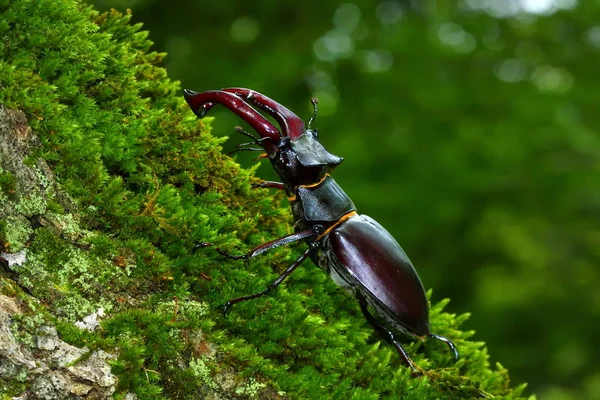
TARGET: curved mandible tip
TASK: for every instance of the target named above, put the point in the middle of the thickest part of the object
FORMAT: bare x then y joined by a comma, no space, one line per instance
200,103
291,125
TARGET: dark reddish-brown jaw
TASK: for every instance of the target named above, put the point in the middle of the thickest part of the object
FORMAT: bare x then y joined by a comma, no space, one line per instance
292,126
237,100
293,132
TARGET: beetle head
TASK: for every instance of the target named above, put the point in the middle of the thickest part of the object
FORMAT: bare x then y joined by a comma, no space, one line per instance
295,151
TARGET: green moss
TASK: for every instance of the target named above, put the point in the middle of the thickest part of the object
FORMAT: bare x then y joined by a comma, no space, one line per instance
31,205
55,207
15,232
7,184
31,317
148,181
25,327
200,370
66,223
250,389
73,279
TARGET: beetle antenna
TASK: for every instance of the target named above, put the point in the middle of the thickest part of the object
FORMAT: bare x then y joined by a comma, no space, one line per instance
245,144
255,140
314,102
257,143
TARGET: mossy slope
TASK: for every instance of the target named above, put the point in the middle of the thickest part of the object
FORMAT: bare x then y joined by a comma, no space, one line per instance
139,181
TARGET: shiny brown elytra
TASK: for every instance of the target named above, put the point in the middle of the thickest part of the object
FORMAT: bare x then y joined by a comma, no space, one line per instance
359,254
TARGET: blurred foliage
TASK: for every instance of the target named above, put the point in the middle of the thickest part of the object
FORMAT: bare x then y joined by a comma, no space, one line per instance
469,130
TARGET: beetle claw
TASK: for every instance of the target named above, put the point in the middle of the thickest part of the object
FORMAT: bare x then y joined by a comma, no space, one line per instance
448,342
189,93
225,307
202,112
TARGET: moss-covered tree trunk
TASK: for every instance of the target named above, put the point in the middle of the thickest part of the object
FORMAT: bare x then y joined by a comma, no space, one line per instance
106,182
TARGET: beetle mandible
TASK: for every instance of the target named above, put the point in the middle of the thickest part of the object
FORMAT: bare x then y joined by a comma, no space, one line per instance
358,253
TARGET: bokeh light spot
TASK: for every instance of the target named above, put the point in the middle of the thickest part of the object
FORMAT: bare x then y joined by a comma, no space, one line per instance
244,30
511,70
592,36
334,45
377,60
347,17
389,12
551,79
454,35
511,8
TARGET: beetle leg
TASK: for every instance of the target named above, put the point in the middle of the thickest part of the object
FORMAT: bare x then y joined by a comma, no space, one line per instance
246,146
226,307
294,237
448,343
389,335
269,184
241,130
245,149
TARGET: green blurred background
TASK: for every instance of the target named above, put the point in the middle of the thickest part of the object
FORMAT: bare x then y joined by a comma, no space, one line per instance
469,129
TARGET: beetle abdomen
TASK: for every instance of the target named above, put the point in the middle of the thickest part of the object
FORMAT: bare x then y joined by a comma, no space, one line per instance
365,255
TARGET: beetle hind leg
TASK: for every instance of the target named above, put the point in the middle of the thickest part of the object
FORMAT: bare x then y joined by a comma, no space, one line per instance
227,306
389,336
448,342
221,251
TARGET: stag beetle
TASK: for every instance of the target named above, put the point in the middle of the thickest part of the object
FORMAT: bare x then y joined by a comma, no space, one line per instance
358,253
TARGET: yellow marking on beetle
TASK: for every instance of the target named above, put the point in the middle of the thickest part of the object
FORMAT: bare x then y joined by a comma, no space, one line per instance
344,218
311,185
315,184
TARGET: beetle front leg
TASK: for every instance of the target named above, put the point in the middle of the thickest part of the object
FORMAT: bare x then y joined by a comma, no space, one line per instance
282,241
272,286
269,184
389,335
